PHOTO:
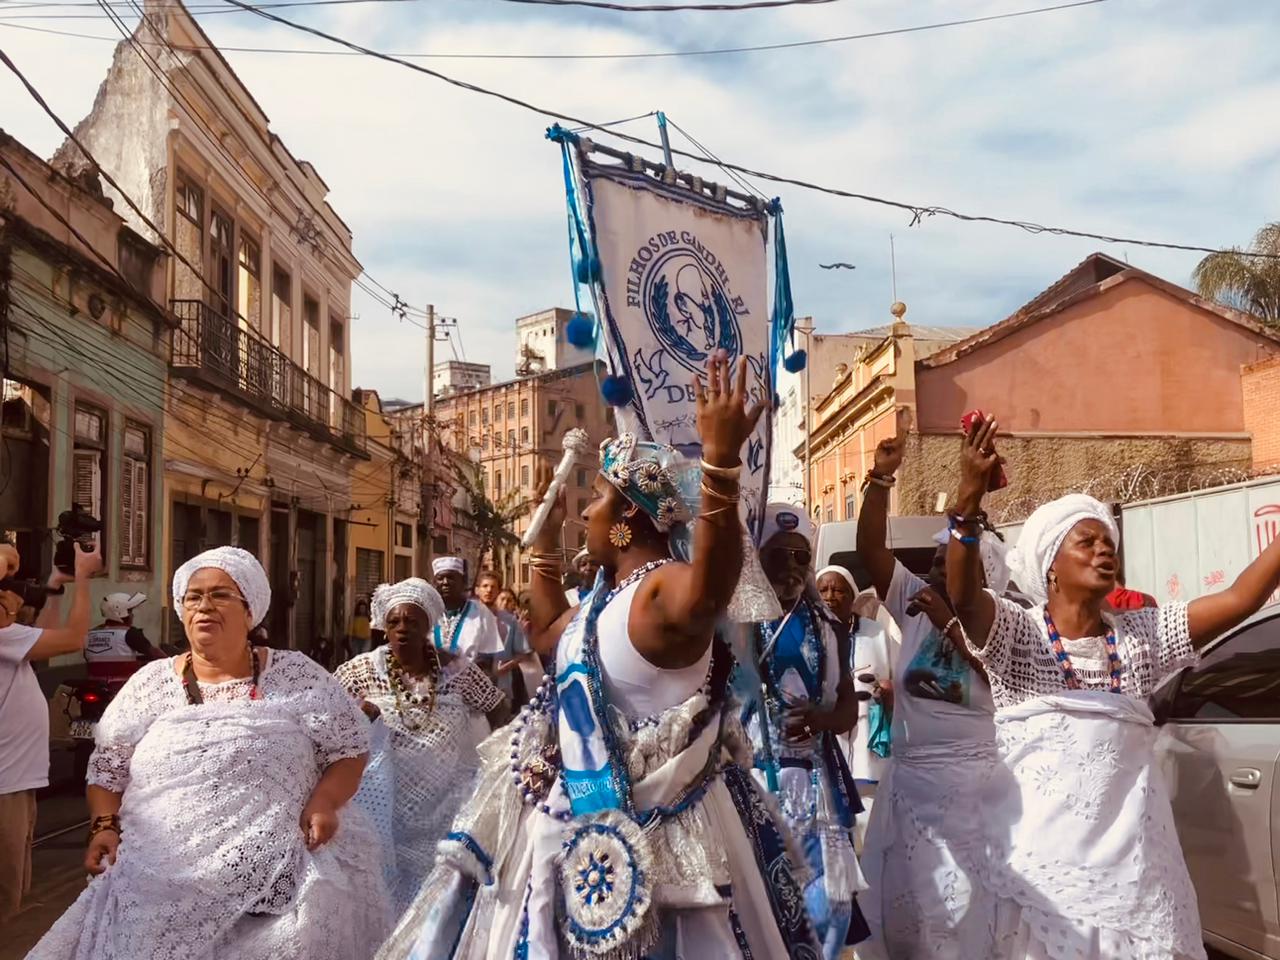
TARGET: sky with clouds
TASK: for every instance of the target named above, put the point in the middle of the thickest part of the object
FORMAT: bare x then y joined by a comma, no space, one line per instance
1151,119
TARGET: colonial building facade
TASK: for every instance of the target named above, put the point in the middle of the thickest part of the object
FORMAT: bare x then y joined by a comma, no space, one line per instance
86,344
261,436
1109,376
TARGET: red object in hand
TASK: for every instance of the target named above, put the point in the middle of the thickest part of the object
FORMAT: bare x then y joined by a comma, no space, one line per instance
969,423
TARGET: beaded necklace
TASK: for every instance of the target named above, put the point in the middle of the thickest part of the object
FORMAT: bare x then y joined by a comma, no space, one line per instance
451,624
1064,659
396,679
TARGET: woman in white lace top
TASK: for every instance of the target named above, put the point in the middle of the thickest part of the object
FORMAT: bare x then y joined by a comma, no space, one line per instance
218,791
430,711
1085,859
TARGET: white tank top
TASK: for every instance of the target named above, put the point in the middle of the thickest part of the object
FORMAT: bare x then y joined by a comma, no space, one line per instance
634,685
108,643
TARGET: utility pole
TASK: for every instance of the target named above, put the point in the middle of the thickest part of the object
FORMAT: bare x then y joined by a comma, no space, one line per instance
429,380
428,407
807,332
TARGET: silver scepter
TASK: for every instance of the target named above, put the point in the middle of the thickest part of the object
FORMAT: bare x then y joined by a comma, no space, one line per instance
576,443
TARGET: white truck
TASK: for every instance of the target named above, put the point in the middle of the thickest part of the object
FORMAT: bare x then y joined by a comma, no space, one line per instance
1183,546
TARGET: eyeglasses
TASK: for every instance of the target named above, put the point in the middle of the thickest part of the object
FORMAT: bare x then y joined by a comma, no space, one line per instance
798,555
194,599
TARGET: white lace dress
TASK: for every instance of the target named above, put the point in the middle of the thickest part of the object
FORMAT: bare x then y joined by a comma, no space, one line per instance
423,760
212,861
1084,858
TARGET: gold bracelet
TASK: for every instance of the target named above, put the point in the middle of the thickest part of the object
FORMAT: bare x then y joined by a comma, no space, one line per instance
549,574
722,473
708,514
717,495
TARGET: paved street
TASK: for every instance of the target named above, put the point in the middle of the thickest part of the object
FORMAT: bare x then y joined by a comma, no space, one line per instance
57,875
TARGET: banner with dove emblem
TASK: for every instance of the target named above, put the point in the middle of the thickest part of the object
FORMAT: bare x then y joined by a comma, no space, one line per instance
675,271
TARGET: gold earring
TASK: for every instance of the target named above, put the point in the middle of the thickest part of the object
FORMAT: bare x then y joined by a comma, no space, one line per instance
620,534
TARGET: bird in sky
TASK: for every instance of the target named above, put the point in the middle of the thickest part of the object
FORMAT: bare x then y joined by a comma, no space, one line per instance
839,265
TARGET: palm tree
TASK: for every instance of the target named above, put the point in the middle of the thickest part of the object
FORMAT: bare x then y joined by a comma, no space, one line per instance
1244,280
491,518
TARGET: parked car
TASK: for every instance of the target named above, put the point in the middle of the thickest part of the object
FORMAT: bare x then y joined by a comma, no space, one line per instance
1219,749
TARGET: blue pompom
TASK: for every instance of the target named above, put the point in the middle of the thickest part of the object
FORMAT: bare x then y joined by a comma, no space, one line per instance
581,330
587,269
616,390
795,362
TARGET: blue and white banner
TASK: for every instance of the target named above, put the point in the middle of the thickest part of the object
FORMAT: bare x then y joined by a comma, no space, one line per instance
676,275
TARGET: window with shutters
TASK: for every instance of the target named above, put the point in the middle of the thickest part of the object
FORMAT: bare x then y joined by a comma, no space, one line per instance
524,407
524,475
88,461
368,571
135,496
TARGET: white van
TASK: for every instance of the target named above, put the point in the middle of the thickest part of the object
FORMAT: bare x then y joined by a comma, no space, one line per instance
910,539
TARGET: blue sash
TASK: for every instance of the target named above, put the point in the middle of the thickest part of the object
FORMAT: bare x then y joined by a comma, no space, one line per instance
438,640
591,769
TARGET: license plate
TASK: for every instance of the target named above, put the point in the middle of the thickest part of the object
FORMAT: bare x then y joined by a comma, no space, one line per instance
80,730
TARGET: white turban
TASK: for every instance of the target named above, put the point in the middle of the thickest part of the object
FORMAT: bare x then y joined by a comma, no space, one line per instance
448,565
785,518
580,556
241,566
415,590
1042,536
995,558
842,572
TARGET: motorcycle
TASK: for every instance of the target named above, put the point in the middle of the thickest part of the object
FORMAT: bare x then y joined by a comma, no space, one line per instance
86,699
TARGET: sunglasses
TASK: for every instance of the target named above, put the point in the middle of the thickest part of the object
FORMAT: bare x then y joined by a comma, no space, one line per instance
797,555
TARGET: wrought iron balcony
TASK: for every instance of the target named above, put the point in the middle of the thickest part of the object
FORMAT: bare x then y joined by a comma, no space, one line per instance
222,352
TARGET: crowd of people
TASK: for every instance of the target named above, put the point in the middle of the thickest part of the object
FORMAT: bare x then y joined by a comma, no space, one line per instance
923,766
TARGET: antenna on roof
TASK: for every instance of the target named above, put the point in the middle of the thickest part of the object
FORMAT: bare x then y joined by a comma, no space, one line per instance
893,268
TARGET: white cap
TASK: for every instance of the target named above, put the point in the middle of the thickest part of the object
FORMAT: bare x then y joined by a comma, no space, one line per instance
117,606
448,565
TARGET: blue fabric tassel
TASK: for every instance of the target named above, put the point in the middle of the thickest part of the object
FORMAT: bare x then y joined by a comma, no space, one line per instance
581,330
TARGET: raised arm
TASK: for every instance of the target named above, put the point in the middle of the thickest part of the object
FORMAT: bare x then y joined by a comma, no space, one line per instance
70,637
973,605
549,610
689,598
873,522
1212,615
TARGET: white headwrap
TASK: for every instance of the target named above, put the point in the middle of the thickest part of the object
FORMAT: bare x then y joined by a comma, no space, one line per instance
448,565
241,566
995,558
415,590
1042,536
580,556
785,518
843,572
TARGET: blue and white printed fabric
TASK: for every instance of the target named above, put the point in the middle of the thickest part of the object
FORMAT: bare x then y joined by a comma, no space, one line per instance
680,276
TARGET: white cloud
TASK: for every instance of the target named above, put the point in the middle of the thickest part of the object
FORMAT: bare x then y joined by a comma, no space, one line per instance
1131,118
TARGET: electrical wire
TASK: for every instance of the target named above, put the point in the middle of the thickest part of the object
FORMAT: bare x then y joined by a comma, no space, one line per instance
649,55
919,212
153,66
592,4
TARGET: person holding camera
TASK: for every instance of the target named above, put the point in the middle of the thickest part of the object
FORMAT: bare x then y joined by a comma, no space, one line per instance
24,713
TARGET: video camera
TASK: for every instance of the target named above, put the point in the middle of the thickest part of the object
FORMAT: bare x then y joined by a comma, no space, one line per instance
32,592
76,525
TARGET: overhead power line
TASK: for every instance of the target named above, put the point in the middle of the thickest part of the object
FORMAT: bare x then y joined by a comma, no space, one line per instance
919,212
645,55
400,307
592,4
